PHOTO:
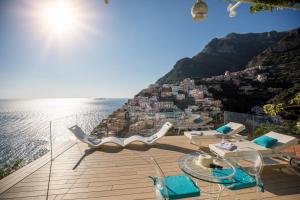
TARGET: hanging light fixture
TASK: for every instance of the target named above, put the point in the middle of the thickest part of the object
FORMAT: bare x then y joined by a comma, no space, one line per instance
199,11
232,8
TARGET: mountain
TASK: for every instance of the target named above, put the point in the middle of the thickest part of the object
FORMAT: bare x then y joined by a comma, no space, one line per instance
272,76
231,53
285,51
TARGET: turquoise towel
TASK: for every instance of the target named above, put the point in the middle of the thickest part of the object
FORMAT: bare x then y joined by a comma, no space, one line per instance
240,180
179,187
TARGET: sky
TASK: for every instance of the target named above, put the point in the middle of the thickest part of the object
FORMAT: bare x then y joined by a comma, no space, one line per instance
114,50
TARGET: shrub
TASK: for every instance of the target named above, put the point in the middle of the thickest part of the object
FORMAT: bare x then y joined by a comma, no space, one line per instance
287,127
8,169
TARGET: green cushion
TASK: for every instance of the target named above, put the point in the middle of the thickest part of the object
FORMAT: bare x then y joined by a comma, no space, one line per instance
265,141
179,187
224,129
241,179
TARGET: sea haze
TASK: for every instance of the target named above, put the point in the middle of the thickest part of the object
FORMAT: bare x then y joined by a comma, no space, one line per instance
25,124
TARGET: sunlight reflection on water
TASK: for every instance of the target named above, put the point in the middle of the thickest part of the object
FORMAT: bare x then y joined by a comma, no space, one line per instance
24,124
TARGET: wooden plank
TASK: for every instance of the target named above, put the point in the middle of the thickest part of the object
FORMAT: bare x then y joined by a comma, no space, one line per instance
20,174
121,174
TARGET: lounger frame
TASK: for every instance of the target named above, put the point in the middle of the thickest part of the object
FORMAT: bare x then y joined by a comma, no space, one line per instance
80,135
213,134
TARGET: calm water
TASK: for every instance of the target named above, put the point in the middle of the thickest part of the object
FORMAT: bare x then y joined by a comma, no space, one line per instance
24,124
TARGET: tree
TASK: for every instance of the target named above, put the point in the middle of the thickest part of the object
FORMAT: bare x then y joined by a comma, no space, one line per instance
269,5
292,107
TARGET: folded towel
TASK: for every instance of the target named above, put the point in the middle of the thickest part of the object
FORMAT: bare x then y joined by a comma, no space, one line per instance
196,133
227,146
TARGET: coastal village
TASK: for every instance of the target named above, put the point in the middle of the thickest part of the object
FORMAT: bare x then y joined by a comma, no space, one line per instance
186,105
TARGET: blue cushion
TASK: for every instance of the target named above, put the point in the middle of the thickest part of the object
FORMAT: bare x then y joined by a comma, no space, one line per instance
241,179
265,141
224,129
179,187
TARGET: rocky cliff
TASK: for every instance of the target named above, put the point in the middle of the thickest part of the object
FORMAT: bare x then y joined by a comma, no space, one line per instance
285,51
232,53
271,76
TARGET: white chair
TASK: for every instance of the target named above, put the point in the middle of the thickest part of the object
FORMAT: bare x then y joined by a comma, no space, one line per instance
196,137
95,143
248,173
173,187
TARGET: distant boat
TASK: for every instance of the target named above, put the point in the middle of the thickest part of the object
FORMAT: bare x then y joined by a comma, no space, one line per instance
99,98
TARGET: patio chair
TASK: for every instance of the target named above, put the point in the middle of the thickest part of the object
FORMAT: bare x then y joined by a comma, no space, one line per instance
173,187
232,130
95,143
248,171
276,150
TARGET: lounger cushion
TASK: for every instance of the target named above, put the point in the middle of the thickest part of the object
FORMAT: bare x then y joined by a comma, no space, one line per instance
179,187
240,180
265,141
224,129
284,141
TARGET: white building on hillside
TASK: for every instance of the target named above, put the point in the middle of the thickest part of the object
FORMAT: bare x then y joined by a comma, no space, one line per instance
180,97
187,84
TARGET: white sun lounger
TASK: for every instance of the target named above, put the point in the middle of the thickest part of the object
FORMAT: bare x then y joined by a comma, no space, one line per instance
196,136
94,142
284,141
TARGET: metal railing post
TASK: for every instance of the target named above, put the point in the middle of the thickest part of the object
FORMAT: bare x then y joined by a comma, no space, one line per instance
50,170
51,141
252,132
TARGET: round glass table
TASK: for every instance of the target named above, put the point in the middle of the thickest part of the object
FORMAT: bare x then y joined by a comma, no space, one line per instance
188,164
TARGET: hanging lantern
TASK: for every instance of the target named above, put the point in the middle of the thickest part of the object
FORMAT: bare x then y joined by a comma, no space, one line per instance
232,8
199,11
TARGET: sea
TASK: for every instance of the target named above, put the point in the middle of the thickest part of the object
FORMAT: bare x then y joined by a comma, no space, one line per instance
26,126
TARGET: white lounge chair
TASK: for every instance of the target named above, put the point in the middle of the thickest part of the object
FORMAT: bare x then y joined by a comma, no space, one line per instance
196,136
94,142
276,151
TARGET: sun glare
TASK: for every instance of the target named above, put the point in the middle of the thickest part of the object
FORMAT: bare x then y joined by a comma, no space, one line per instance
62,24
59,17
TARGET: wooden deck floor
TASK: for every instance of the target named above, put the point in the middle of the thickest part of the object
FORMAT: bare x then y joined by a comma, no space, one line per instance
121,174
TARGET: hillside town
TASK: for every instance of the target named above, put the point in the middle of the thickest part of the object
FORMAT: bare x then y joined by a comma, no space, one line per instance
186,105
242,79
193,104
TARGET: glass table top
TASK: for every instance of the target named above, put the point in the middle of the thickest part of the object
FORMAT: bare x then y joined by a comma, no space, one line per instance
188,163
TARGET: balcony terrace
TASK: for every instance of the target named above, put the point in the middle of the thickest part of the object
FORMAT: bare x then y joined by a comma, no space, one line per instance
115,173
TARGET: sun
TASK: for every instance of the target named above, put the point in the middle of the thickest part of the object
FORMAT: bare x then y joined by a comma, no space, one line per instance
62,24
59,17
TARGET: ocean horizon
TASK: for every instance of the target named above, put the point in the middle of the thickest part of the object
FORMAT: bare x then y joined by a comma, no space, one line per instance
25,123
